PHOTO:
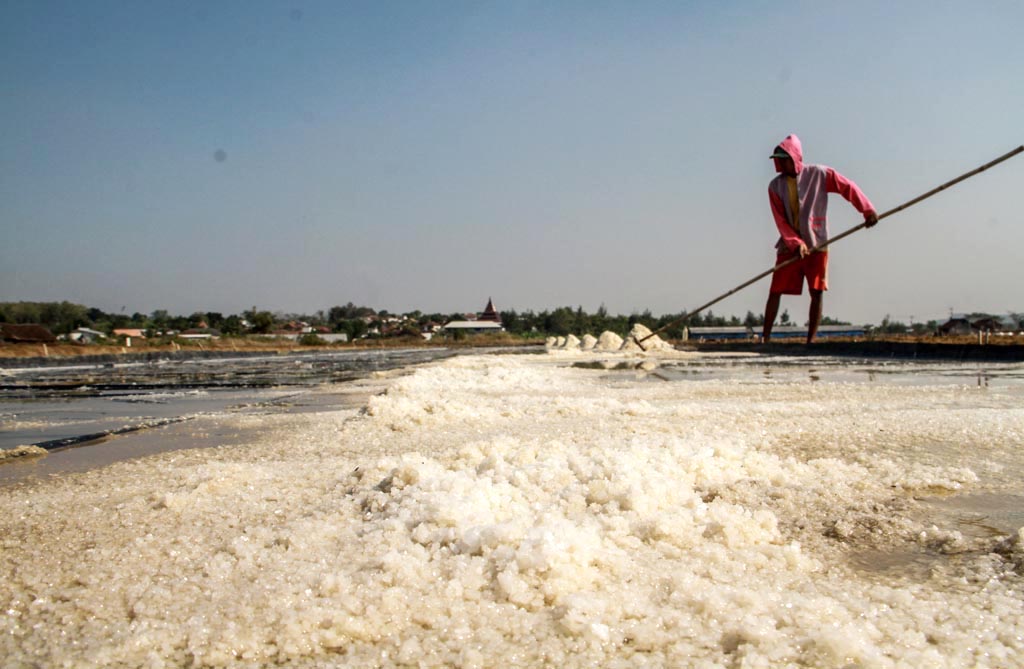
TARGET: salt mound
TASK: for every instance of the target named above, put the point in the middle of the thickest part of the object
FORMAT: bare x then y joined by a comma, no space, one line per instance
572,343
589,342
654,343
608,341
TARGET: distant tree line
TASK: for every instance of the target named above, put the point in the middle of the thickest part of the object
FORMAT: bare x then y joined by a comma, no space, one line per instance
361,321
890,326
356,321
59,317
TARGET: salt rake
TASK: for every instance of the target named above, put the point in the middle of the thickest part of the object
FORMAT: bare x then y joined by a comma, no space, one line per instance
687,315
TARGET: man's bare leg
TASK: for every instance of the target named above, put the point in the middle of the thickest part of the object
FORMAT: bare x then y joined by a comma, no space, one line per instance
771,310
814,316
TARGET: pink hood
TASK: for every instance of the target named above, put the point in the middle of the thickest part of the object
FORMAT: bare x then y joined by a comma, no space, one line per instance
791,145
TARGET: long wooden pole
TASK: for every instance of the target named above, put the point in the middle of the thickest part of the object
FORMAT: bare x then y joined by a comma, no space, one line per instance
689,314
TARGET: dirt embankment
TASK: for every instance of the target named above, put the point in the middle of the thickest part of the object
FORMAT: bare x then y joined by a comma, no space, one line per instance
65,350
242,345
960,347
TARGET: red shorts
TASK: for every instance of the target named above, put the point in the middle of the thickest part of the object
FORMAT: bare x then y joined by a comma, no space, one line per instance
790,279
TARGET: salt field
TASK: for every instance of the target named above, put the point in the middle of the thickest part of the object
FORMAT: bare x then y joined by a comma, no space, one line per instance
67,401
572,509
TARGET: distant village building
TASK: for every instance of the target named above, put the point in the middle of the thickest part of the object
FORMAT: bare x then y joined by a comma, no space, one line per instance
824,331
296,330
955,326
987,325
86,335
200,333
488,321
129,333
474,326
429,329
138,333
14,333
490,313
714,333
1011,323
960,324
779,332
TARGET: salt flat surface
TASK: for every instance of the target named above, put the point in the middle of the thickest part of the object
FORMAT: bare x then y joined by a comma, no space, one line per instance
517,511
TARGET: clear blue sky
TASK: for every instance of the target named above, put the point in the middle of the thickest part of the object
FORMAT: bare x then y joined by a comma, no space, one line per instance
428,155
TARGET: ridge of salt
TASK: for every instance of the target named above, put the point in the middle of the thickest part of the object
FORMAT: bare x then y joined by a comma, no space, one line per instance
609,341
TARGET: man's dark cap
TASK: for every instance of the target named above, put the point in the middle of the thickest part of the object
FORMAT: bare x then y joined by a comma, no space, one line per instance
779,153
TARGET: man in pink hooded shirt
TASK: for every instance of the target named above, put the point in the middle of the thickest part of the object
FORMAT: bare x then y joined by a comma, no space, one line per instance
799,200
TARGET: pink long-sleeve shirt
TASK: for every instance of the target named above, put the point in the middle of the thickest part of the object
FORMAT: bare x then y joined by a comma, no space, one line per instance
814,183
